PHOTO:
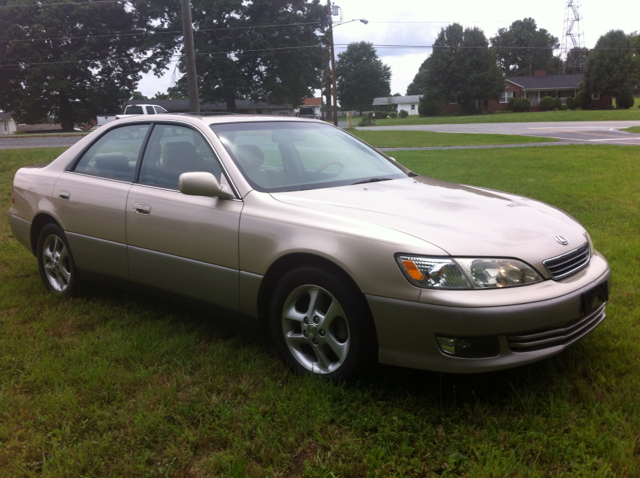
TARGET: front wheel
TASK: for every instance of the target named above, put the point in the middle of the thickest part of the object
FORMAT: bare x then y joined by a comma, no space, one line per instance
321,325
55,262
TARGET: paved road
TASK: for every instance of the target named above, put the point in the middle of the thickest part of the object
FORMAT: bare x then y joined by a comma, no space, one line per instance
38,141
598,132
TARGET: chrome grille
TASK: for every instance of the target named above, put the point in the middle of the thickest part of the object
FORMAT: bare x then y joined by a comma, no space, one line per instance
565,334
569,262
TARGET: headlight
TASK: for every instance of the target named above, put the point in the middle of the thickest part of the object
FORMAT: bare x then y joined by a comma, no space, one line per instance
467,273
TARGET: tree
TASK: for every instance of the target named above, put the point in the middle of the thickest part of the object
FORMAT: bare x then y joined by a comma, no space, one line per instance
258,49
610,67
137,95
67,60
462,67
419,83
361,77
523,48
575,61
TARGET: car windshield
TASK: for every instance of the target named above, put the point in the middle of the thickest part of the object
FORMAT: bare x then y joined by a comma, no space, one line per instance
290,156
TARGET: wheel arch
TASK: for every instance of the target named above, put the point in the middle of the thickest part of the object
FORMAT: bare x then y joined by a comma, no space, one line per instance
38,223
287,263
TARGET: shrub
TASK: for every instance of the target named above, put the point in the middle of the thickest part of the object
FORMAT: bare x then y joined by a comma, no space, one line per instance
626,100
583,100
558,104
428,107
512,101
393,114
571,103
381,115
521,105
403,114
364,121
563,107
547,103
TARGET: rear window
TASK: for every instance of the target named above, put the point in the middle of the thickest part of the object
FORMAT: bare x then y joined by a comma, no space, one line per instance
133,110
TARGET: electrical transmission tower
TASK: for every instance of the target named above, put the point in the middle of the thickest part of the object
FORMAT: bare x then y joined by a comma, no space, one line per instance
573,49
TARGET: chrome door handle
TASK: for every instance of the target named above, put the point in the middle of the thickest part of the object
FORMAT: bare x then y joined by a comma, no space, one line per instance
140,208
64,194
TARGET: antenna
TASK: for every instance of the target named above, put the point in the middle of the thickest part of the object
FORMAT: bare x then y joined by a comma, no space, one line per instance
573,49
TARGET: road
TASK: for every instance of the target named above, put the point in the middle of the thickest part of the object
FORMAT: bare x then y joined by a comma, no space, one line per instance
582,132
594,132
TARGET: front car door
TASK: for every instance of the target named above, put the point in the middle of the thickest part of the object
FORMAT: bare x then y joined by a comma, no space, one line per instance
186,245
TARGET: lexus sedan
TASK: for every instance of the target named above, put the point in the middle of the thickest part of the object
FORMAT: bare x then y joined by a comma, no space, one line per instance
343,255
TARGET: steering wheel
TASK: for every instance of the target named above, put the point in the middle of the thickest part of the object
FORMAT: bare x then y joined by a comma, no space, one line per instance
324,166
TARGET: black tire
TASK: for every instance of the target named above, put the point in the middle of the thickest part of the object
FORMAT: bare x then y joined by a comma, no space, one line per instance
55,262
321,325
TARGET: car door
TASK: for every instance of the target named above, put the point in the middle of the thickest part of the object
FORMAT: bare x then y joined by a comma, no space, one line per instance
91,196
186,245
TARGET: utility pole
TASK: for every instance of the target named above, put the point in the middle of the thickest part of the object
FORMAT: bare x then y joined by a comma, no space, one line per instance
190,56
333,67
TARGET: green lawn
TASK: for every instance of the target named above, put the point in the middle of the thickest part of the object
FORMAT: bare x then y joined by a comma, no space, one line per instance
633,129
568,115
406,139
119,384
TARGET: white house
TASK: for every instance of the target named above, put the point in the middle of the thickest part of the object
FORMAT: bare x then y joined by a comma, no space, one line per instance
407,103
7,125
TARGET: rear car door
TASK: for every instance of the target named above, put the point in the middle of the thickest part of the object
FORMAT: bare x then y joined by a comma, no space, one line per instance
91,196
186,245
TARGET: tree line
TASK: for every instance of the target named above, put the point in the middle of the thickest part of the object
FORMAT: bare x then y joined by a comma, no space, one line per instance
468,69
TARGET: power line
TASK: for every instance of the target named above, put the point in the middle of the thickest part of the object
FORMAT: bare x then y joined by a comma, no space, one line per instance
62,3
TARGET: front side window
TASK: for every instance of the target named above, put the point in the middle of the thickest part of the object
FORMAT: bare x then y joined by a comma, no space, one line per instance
115,154
160,110
288,156
173,150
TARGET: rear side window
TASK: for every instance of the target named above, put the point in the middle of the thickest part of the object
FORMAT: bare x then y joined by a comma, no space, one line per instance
115,154
150,110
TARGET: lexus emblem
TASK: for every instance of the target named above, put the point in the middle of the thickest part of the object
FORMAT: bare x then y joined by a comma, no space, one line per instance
562,240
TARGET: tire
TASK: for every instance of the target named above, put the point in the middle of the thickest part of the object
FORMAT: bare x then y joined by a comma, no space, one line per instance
321,325
55,262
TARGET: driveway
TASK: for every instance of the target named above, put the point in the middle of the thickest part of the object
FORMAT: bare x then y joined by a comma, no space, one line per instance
595,132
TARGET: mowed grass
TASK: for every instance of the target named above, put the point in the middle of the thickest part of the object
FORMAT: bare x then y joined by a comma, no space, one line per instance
116,383
507,117
407,139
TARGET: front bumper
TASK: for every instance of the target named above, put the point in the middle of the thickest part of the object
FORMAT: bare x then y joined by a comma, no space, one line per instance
526,332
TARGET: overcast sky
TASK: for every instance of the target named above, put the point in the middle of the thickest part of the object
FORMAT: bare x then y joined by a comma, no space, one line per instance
416,23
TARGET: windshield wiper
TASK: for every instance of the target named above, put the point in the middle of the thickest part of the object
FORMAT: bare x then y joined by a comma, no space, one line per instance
372,180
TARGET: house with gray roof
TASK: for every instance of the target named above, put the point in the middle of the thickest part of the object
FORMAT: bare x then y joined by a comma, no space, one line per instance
407,103
7,124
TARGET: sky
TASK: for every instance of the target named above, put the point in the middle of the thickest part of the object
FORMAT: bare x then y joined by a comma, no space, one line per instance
415,25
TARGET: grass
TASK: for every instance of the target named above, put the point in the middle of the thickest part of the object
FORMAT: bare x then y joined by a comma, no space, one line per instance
406,139
115,383
633,129
536,116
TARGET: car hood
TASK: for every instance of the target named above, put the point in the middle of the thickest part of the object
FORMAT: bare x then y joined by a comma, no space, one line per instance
461,220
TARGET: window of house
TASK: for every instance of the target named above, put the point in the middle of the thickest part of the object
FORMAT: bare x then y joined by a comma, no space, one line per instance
413,107
595,96
506,95
452,102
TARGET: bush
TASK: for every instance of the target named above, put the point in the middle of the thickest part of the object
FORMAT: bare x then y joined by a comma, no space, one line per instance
381,115
563,107
393,114
428,107
521,105
626,100
512,101
571,103
547,103
403,114
583,100
558,104
364,121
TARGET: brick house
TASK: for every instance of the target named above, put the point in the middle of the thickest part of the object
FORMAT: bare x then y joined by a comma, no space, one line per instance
534,88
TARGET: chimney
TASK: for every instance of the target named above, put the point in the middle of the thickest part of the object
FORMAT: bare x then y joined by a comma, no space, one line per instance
541,73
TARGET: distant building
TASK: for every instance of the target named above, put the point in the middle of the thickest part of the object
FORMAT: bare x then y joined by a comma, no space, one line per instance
407,103
243,106
7,124
315,103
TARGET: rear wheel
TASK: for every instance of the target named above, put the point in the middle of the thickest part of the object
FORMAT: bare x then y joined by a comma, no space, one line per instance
321,325
55,262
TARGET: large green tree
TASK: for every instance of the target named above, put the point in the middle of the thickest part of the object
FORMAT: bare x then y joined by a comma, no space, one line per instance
419,83
462,67
254,49
69,61
524,48
611,66
361,77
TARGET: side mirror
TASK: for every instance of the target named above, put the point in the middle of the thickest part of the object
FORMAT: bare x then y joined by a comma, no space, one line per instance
200,183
